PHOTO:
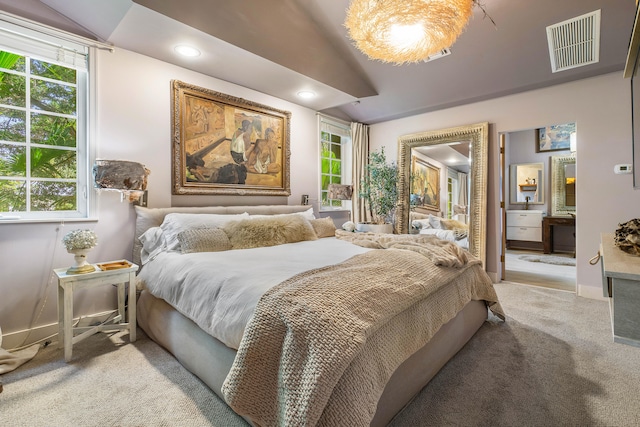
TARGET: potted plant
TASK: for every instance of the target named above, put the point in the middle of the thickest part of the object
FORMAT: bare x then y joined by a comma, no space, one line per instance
379,189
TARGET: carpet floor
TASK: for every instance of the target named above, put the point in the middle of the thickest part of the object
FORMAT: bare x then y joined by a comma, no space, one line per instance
552,363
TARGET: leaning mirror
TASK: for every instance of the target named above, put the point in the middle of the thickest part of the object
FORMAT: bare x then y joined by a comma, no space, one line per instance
563,185
527,184
419,195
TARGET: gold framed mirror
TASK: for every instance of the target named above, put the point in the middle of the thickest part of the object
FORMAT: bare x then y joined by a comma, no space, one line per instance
477,136
563,185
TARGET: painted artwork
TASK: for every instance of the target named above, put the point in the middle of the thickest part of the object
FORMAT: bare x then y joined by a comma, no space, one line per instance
228,145
425,185
555,137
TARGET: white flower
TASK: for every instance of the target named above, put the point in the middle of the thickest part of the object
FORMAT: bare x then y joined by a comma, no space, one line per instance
80,239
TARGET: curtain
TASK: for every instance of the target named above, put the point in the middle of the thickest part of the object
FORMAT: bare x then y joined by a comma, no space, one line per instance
463,198
463,194
360,141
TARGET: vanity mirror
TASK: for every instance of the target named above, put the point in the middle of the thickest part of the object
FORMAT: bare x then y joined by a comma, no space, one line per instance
526,184
477,138
563,185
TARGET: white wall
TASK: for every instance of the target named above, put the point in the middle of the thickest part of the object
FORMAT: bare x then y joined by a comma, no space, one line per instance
133,123
601,107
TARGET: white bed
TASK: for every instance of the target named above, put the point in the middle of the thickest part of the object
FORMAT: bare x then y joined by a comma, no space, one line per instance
204,326
452,231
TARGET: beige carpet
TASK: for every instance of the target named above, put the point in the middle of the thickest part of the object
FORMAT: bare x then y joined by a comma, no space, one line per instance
553,363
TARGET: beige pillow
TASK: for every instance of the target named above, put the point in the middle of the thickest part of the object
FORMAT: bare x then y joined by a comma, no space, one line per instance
203,240
324,227
259,232
453,224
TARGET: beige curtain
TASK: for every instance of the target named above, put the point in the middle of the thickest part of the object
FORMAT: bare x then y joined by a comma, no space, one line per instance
360,142
463,199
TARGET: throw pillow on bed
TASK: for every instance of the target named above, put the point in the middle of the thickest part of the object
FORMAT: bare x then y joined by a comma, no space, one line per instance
259,232
324,227
453,224
174,223
204,240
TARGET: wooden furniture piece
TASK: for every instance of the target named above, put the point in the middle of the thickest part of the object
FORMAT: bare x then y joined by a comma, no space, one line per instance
621,284
524,225
68,283
548,222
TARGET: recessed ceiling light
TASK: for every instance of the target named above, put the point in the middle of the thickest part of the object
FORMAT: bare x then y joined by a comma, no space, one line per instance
306,94
187,50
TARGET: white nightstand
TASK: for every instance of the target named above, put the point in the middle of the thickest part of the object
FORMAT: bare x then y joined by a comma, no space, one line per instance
67,283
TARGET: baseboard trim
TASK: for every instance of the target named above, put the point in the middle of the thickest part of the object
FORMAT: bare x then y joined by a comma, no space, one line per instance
591,292
26,337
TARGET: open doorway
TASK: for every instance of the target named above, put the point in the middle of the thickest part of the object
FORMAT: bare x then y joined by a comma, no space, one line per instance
538,209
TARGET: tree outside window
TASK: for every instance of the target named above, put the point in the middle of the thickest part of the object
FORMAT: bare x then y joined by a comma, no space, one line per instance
38,135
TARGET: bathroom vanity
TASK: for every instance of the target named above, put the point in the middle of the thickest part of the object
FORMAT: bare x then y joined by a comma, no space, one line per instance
524,225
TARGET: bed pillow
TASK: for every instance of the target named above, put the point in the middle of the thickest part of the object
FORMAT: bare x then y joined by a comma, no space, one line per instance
174,223
324,227
272,231
435,221
453,224
152,244
203,240
421,223
308,215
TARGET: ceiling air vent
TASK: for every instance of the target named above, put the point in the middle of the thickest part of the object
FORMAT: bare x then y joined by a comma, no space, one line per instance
575,42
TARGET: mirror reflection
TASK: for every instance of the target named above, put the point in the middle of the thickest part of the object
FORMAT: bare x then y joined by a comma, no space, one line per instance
443,186
527,184
563,176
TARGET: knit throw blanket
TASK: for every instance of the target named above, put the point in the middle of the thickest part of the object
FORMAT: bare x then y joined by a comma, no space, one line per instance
322,345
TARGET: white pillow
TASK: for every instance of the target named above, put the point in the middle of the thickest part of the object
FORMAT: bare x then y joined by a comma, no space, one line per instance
308,215
435,221
421,223
152,244
174,223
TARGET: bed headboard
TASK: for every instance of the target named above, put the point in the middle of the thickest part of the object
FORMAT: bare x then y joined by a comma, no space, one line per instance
147,217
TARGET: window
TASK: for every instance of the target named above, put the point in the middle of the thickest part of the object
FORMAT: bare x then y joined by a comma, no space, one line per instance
335,160
44,162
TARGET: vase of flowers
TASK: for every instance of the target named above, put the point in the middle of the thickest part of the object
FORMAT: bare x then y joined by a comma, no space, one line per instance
79,243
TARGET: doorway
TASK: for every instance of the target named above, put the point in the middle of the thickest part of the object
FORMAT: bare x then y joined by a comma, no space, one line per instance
529,257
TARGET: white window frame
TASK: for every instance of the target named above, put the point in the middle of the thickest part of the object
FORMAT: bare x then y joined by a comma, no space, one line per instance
45,43
343,129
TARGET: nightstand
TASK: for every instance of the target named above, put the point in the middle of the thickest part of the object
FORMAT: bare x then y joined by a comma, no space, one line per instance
67,283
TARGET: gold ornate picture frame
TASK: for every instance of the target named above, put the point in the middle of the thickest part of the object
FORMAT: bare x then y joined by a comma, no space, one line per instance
425,185
228,145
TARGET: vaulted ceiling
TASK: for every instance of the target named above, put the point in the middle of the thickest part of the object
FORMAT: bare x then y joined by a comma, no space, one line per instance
280,47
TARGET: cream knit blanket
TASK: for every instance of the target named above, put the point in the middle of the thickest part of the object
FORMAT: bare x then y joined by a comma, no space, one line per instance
322,345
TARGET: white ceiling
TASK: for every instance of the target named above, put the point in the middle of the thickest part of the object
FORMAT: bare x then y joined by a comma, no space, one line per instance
282,46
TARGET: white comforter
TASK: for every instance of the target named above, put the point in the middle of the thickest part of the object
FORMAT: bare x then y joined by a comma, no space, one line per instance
219,290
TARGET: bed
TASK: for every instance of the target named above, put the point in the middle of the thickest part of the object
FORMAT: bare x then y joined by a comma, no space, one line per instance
451,230
237,348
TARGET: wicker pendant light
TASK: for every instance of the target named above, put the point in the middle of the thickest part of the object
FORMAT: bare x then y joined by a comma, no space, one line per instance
401,31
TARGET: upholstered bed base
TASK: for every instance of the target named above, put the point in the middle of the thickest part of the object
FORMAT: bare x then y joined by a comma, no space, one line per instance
210,360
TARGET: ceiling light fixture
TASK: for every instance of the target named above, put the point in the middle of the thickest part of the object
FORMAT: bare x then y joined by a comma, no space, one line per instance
187,50
406,31
306,94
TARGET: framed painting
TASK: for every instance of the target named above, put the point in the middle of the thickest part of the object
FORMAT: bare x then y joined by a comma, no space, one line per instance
554,137
228,145
425,185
